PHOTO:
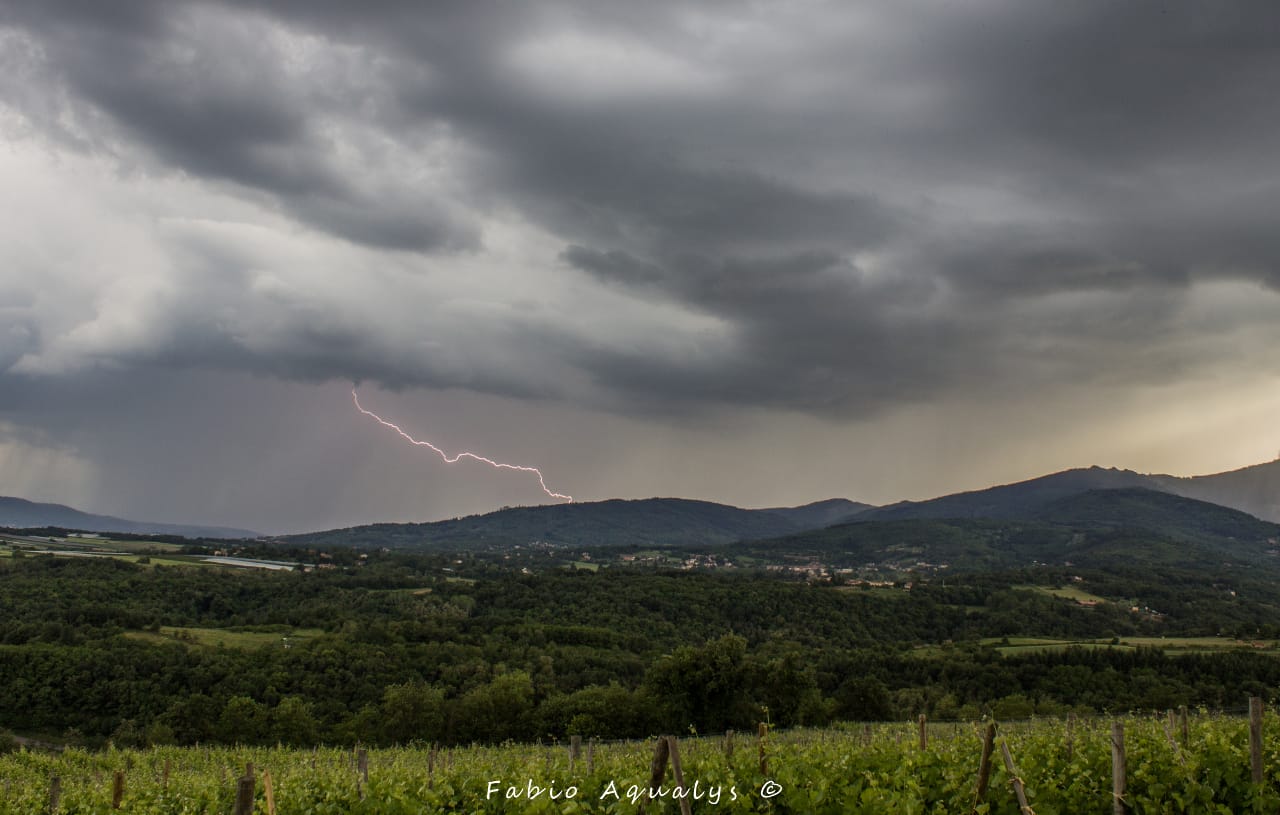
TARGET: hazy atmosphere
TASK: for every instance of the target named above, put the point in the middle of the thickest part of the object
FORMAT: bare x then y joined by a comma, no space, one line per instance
753,253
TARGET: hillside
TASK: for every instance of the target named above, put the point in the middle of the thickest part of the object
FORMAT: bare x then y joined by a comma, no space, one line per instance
1020,500
821,513
1255,490
1171,516
1104,529
18,513
647,522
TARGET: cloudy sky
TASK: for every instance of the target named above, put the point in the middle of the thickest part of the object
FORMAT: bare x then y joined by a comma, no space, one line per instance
760,253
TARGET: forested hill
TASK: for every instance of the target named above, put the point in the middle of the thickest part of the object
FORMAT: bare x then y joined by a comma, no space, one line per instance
18,513
1255,490
647,522
1110,529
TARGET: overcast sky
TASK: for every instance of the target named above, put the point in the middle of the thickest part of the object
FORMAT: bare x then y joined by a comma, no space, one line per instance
759,253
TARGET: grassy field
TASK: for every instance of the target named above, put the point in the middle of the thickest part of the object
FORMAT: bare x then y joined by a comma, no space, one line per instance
1023,645
214,637
1067,592
131,546
129,551
1012,646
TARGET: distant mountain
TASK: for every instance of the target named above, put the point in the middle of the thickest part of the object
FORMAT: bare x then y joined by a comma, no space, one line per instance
1168,515
1099,528
821,513
1255,490
647,522
19,513
1021,500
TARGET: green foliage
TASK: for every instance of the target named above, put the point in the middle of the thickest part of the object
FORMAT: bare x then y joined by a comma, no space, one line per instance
1066,770
428,648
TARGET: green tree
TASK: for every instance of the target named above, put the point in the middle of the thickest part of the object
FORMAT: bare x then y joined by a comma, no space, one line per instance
412,711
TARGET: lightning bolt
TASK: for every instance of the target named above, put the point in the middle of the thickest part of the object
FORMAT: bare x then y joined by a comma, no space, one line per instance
454,459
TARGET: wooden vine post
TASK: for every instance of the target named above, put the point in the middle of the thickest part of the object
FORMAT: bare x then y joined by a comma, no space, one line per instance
657,769
1255,738
1118,806
761,733
1071,733
269,791
984,767
1019,789
673,750
117,789
244,796
923,723
55,794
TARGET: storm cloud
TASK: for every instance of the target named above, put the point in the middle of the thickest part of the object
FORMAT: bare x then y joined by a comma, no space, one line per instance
665,213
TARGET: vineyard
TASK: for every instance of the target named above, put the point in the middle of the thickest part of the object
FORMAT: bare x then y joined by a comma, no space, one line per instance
1197,763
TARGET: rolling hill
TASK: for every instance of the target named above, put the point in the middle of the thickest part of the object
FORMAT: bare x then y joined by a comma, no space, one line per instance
1255,490
1098,528
18,513
646,522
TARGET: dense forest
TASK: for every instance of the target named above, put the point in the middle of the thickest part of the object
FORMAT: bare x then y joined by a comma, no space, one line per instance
393,647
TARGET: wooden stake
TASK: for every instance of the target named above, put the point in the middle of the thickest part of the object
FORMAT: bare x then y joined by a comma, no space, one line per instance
1117,770
676,770
1182,715
984,767
728,744
117,789
55,794
1018,788
657,768
575,751
1071,735
164,776
244,796
591,756
362,764
761,733
924,731
1255,738
1173,743
270,792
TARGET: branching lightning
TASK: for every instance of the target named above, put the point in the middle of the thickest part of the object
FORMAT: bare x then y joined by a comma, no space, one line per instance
454,459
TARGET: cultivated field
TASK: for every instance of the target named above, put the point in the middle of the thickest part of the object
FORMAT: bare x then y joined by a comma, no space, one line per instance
1197,764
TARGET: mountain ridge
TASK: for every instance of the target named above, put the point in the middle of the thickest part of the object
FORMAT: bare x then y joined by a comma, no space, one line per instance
678,521
19,513
613,522
1254,490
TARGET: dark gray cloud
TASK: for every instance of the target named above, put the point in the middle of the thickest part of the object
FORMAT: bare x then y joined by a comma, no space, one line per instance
985,155
227,98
